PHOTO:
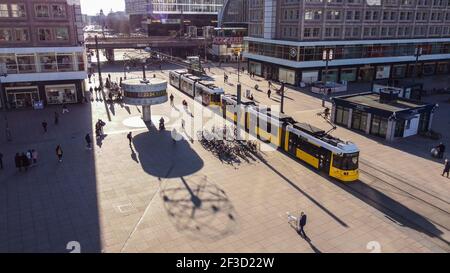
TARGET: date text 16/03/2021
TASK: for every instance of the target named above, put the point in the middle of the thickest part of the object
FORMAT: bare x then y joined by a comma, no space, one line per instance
226,263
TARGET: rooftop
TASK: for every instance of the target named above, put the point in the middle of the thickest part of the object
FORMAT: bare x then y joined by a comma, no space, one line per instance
373,100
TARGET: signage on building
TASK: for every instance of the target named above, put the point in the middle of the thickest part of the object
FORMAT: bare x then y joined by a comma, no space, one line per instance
228,40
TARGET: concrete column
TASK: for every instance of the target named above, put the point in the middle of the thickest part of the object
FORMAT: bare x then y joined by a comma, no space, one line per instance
147,113
390,130
369,119
349,121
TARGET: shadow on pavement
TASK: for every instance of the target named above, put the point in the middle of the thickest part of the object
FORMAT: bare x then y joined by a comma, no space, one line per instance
161,157
51,204
198,208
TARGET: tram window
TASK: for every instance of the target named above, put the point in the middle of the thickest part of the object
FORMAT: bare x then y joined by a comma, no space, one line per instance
346,162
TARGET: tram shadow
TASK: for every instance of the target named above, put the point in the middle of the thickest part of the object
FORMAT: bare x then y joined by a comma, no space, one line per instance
161,157
199,208
392,209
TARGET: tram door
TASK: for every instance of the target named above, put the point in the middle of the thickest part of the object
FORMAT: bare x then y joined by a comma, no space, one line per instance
293,143
324,160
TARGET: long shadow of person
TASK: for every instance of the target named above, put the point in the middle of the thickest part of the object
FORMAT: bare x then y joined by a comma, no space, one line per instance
313,247
134,155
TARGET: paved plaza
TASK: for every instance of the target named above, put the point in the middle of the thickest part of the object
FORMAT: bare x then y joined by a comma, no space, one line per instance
160,196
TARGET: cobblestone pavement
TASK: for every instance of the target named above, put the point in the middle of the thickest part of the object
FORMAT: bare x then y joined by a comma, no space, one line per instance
157,196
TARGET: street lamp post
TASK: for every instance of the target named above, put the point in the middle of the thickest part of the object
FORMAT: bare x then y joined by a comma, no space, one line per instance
417,53
239,65
282,98
327,56
144,66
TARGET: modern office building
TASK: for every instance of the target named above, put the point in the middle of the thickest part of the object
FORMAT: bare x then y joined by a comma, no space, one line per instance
162,17
41,52
368,39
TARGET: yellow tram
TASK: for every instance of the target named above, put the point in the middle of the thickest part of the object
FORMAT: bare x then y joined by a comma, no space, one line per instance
312,145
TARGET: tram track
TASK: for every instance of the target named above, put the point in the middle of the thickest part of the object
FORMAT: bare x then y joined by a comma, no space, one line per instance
421,205
401,180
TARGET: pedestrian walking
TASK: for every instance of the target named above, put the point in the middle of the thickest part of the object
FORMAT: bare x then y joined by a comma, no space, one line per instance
88,141
56,118
89,77
34,156
65,109
44,126
29,157
24,161
1,161
441,150
17,162
59,153
109,76
270,84
171,99
130,138
224,77
268,93
446,167
302,224
91,90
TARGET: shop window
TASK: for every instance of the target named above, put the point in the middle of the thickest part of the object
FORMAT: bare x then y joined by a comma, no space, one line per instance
18,11
42,11
5,35
44,34
26,63
379,126
48,62
62,33
342,115
359,120
58,94
348,75
65,62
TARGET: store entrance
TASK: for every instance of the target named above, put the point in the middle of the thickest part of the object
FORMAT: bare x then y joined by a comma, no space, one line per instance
22,98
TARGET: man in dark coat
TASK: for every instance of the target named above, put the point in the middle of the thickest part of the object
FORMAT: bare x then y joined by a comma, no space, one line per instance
446,167
301,224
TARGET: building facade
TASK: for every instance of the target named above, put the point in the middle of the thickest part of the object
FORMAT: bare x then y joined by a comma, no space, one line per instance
369,39
41,53
161,17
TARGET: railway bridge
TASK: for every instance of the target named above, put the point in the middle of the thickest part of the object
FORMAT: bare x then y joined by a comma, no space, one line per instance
170,45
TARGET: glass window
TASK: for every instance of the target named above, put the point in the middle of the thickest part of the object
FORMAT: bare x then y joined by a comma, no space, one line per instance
48,62
59,11
342,115
65,62
26,63
44,34
62,33
58,94
5,35
42,11
18,10
379,126
10,61
22,34
4,10
346,162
